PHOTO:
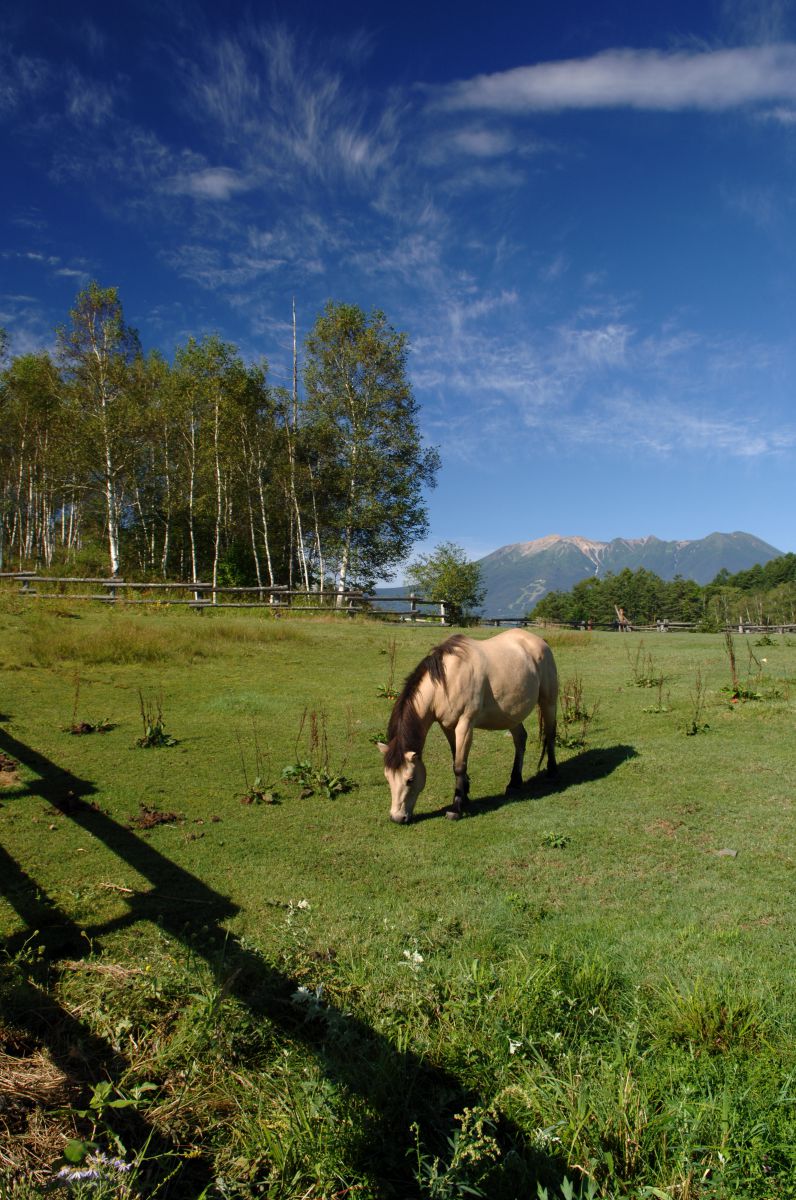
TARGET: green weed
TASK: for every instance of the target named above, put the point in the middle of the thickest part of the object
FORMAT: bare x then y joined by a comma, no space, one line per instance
154,735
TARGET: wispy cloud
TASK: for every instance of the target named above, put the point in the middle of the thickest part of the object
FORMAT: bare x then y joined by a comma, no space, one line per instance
664,391
21,78
288,111
87,102
711,80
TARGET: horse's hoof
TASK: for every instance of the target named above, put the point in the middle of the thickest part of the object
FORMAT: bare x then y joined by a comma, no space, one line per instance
452,815
513,789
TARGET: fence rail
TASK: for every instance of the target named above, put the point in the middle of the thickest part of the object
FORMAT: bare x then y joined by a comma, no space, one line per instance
277,600
199,595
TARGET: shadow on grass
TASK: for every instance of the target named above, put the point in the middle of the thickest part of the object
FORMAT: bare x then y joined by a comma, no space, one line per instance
586,767
399,1088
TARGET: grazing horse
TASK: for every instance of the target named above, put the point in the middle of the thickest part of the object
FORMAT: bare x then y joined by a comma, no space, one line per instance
466,684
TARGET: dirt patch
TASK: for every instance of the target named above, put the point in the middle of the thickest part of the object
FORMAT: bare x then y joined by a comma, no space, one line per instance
149,817
667,828
9,771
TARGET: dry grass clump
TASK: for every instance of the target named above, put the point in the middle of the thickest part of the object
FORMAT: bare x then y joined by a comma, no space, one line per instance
32,1135
33,1077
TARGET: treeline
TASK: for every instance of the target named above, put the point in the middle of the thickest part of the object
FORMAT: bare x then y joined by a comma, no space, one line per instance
116,460
762,595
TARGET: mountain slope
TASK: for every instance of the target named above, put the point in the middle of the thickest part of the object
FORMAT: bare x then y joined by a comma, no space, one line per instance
517,576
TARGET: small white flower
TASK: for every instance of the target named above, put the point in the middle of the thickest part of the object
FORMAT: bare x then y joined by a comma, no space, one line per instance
514,1046
303,904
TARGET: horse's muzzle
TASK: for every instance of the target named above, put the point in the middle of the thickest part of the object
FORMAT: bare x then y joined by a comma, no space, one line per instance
404,820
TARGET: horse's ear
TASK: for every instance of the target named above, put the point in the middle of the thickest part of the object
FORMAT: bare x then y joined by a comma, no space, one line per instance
382,747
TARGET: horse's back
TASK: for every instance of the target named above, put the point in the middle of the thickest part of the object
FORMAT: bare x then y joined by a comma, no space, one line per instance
505,646
498,681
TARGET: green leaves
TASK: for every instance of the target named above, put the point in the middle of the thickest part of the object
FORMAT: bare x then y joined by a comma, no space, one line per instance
447,574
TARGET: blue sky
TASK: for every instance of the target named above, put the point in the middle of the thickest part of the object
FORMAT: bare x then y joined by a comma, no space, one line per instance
582,216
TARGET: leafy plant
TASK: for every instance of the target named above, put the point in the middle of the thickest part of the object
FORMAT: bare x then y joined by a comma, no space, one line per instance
576,714
696,723
83,727
105,1099
260,791
645,671
472,1151
556,841
738,691
314,773
151,709
388,690
316,779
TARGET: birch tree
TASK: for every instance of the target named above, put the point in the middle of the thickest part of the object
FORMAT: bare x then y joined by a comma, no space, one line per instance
97,351
372,466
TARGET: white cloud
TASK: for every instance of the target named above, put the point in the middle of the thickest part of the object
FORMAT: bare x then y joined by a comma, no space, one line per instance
211,183
601,347
649,79
781,115
481,142
286,111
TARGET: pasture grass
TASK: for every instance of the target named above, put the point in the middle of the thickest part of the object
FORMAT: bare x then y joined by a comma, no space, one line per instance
584,989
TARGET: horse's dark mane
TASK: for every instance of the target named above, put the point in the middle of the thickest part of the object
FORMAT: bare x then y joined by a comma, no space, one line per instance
404,731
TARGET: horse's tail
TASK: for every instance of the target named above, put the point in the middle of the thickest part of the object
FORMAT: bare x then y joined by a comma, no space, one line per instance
548,711
547,738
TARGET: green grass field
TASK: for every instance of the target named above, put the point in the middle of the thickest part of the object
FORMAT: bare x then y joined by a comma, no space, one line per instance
584,990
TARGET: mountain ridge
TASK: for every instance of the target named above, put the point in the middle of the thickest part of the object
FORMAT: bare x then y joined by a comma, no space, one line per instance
519,574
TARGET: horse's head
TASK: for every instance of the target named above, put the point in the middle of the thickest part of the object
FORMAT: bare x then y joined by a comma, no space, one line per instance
406,781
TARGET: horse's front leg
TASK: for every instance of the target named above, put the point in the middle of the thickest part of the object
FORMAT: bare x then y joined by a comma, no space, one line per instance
460,740
520,738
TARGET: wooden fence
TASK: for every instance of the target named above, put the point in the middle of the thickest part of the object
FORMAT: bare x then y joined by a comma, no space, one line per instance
202,596
278,600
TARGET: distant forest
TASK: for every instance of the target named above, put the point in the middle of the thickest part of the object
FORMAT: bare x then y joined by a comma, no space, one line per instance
762,595
117,461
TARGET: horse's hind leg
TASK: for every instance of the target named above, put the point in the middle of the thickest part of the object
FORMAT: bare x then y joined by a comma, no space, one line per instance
520,738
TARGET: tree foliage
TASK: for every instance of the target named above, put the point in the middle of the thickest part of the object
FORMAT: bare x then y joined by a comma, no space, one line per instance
761,595
448,574
113,459
370,464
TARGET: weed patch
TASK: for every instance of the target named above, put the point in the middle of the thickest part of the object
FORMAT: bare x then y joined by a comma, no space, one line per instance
154,735
646,672
576,715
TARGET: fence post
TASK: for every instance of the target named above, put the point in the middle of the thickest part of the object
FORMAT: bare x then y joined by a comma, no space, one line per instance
110,585
412,607
443,612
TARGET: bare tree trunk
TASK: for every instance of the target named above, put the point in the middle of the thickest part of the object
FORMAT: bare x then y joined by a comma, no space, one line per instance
264,520
318,547
291,449
191,491
217,466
